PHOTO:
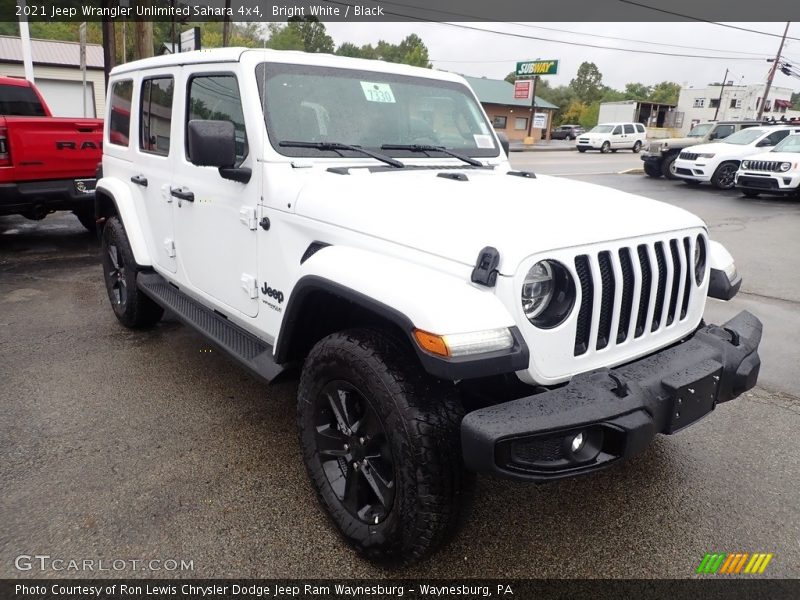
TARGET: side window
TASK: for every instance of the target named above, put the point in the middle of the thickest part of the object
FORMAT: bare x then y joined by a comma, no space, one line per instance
617,130
640,128
156,114
217,98
499,122
723,131
775,137
119,113
628,128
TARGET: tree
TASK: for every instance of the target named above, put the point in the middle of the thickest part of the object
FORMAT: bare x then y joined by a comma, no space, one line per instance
666,92
637,91
411,51
300,33
511,77
588,82
795,100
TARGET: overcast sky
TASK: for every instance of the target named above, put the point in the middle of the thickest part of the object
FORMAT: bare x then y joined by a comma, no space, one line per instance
479,53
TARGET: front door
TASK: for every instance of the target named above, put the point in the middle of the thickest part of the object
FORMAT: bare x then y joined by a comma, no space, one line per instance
215,218
629,135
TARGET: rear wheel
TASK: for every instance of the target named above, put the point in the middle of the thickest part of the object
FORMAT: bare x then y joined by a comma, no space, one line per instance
724,177
636,147
668,167
131,307
605,148
653,170
380,440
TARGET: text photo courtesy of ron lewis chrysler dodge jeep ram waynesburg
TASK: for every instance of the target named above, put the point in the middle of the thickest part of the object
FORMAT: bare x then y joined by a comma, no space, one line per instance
331,215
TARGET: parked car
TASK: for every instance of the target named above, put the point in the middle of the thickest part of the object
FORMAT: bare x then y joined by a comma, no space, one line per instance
610,137
285,206
567,132
46,163
660,155
773,172
718,162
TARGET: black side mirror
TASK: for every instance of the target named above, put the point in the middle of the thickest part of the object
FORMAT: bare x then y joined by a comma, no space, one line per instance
504,142
213,144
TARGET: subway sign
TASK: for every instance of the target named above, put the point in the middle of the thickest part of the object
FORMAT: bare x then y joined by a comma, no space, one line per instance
530,68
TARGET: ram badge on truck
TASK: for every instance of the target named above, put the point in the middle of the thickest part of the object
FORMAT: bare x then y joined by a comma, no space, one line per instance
360,220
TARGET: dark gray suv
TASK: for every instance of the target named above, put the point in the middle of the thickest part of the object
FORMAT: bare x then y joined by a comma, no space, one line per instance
567,132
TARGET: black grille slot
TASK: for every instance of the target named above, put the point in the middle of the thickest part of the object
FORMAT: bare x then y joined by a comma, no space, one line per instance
606,299
688,156
661,261
676,280
627,294
644,297
585,313
687,286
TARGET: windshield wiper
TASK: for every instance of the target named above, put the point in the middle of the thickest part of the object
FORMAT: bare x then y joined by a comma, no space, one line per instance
335,146
427,148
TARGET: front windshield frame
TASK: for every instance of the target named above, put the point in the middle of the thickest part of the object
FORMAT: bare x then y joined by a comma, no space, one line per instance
700,130
602,129
265,70
793,139
748,136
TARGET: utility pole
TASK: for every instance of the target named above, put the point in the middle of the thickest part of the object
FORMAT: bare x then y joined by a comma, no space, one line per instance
724,79
772,73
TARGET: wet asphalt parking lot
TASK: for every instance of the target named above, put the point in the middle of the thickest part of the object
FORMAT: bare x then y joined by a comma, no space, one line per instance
144,445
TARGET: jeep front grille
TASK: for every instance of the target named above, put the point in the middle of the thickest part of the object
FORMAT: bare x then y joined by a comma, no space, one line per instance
763,165
630,292
688,156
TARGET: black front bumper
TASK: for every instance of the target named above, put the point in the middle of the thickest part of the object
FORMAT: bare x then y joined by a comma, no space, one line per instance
618,411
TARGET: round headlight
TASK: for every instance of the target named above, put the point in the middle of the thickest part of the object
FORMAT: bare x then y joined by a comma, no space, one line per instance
548,294
699,259
745,164
785,166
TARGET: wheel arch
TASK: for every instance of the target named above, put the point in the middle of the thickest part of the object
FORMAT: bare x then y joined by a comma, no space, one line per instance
113,199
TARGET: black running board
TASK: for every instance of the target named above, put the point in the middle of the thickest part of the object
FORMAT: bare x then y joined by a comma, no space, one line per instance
248,350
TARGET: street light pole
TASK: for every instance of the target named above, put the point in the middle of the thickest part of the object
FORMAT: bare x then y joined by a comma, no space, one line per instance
772,73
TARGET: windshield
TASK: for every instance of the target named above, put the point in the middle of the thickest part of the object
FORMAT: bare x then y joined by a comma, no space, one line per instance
700,130
370,109
745,136
788,144
602,129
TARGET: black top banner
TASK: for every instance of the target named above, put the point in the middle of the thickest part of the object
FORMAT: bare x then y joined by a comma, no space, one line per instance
406,10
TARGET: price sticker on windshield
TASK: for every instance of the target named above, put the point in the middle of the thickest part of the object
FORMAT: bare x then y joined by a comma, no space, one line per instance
377,92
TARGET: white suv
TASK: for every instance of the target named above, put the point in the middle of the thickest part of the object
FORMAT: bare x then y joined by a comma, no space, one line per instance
774,172
718,162
358,222
610,137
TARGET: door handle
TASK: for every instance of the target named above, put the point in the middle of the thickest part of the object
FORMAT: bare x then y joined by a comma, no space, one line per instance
139,180
182,194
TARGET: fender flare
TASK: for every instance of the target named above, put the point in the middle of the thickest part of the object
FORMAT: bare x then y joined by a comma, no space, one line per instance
361,278
120,195
724,279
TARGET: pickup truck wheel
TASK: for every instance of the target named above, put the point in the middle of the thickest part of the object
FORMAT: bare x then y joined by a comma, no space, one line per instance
605,148
724,177
131,307
380,440
668,166
87,219
652,170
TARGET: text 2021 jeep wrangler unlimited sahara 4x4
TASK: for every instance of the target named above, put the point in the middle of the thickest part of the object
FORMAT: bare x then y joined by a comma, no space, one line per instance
360,219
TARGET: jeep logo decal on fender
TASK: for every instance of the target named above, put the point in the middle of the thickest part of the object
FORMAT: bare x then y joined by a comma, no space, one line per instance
272,293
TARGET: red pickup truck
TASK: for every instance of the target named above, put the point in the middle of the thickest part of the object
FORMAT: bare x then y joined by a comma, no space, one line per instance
46,163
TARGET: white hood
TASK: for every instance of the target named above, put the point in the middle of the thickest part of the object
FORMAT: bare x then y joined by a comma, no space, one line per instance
456,219
721,149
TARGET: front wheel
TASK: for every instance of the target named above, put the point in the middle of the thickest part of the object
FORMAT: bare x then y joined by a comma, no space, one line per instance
668,167
652,170
724,177
605,148
380,441
636,147
132,308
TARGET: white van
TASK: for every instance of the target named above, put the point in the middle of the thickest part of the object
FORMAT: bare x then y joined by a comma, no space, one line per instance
610,137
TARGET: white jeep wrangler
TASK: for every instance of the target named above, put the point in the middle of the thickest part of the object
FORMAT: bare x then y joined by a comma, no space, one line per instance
360,220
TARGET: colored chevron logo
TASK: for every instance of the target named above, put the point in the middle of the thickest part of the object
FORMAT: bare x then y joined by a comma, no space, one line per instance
721,563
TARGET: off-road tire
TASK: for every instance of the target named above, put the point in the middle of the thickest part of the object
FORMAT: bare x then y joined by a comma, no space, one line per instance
722,178
605,148
636,147
132,308
420,418
652,170
86,219
667,166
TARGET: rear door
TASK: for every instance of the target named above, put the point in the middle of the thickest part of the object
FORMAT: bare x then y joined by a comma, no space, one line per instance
629,135
216,231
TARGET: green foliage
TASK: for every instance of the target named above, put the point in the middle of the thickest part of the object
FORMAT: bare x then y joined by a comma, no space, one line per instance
637,91
300,33
795,100
511,77
588,82
666,92
411,51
